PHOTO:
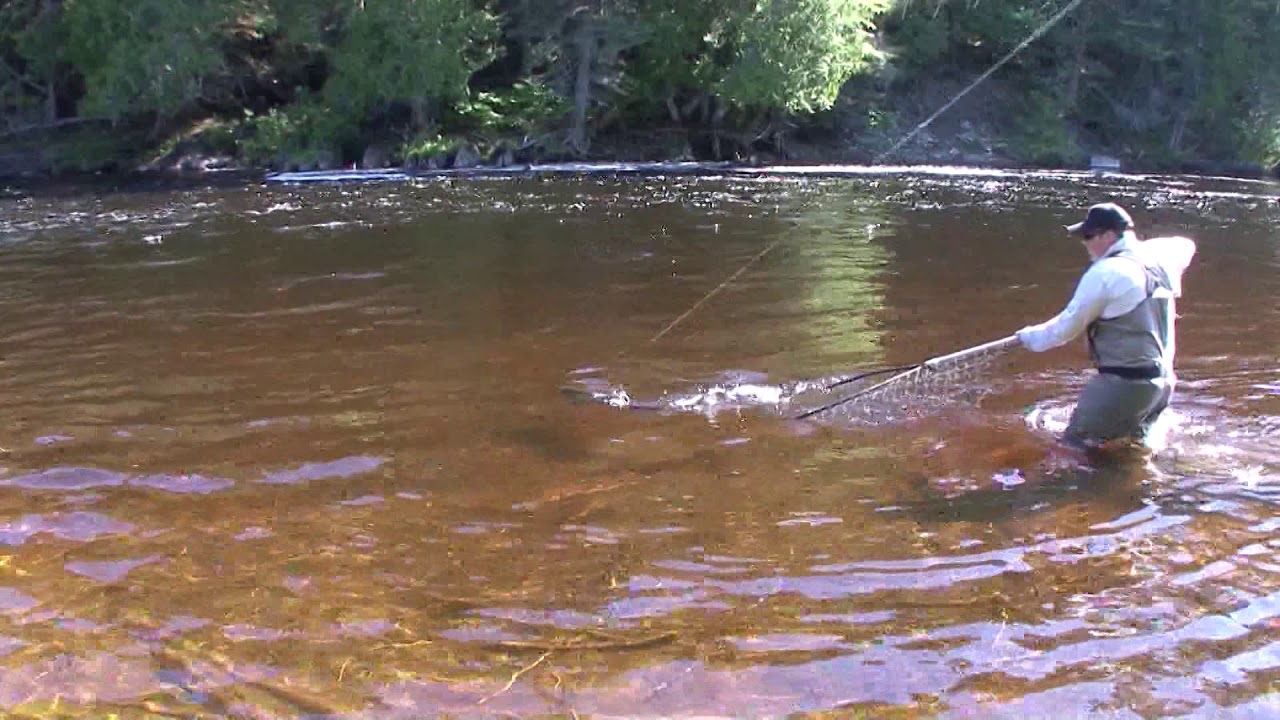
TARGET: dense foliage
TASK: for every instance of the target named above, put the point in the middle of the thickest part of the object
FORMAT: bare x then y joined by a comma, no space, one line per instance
1165,81
1161,79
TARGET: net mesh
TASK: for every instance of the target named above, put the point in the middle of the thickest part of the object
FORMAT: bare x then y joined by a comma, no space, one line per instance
945,378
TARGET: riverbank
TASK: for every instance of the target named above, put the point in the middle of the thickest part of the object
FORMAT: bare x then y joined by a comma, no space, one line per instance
906,132
198,170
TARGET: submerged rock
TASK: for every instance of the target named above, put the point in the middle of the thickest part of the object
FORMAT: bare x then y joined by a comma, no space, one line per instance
22,164
502,156
376,156
328,160
467,157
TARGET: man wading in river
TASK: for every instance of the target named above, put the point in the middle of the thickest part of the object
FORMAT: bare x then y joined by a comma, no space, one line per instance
1125,303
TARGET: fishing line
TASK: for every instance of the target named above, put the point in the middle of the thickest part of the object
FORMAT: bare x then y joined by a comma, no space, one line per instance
1030,39
719,287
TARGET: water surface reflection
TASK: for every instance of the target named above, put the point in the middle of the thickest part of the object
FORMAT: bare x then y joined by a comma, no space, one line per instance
337,449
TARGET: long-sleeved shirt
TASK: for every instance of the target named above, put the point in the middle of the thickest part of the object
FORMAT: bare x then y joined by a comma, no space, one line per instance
1112,287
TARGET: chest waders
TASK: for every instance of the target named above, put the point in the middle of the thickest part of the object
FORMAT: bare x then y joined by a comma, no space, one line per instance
1133,385
1132,345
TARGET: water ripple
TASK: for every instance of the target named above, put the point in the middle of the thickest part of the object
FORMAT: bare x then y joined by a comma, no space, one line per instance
320,424
74,526
335,469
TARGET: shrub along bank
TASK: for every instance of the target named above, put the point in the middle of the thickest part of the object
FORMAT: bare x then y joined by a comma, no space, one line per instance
1166,85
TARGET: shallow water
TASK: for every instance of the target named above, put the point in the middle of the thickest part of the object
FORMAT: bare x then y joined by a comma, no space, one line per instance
339,448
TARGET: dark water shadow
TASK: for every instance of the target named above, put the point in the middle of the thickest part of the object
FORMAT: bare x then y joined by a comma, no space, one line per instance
79,186
1115,480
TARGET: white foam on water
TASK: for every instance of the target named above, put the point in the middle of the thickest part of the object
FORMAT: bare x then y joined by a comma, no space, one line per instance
659,168
1197,443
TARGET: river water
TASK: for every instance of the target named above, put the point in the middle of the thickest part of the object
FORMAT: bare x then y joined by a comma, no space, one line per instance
355,449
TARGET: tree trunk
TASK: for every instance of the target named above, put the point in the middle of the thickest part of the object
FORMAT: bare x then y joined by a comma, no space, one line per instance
526,46
1076,67
1179,130
586,41
51,103
1192,80
49,9
716,122
422,113
672,110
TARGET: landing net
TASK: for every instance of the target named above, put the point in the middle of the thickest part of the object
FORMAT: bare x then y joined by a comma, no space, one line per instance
918,388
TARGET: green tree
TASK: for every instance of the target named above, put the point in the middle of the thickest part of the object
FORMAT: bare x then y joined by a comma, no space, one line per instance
1163,80
790,55
577,48
417,52
28,61
795,55
142,56
1172,79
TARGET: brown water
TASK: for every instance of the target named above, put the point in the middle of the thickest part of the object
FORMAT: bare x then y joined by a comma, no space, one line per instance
307,449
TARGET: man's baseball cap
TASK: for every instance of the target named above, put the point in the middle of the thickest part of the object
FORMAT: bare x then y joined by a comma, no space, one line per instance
1102,217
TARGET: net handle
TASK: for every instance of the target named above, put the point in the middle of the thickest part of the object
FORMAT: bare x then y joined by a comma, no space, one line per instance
1001,344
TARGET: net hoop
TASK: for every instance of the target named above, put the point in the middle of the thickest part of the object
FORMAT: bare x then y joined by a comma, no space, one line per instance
935,364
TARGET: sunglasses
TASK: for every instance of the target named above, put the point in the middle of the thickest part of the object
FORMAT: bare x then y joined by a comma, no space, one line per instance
1089,236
